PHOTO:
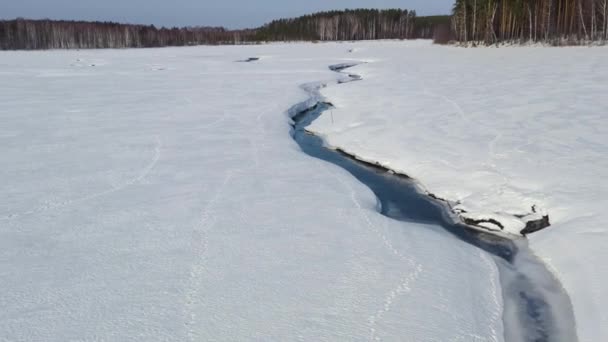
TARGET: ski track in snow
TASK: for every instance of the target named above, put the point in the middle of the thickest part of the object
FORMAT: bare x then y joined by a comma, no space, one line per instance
461,113
200,247
200,242
58,205
459,110
404,285
495,291
407,280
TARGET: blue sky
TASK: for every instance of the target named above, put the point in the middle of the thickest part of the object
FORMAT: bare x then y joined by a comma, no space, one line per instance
229,13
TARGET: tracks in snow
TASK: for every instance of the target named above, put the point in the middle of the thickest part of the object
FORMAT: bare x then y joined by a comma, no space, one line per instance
200,247
143,173
407,280
404,285
206,223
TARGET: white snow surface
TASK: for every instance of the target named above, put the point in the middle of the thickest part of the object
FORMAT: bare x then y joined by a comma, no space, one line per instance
156,195
496,131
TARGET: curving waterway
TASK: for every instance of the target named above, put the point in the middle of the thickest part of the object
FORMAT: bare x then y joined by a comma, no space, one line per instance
536,307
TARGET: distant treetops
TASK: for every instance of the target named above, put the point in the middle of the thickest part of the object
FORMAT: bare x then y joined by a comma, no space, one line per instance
342,25
24,34
477,21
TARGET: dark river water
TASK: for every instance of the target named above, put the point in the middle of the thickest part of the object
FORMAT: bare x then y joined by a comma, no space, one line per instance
536,307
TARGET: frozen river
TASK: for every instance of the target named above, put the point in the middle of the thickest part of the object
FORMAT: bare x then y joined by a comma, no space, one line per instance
536,306
157,195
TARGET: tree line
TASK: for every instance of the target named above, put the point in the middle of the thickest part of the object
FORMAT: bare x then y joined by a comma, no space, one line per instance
550,21
356,24
25,34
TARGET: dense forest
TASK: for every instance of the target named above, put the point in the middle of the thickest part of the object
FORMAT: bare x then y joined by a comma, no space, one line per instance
342,25
358,24
552,21
558,22
24,34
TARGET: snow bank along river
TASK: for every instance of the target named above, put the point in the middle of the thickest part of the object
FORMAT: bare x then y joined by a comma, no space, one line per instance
536,307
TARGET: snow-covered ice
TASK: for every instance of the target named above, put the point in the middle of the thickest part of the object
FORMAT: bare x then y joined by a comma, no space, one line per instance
157,195
497,131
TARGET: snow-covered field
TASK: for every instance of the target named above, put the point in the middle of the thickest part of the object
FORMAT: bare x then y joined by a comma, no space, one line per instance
156,195
497,131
